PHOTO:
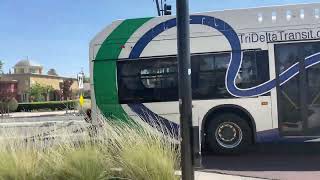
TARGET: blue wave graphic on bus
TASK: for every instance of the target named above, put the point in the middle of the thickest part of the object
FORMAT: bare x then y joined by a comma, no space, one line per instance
236,55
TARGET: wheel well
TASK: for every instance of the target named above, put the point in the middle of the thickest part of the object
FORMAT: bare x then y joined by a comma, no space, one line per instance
234,109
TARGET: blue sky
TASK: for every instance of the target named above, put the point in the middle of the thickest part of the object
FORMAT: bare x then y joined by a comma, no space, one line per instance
56,33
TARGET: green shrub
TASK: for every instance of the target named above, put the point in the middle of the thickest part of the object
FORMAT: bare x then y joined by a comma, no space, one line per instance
20,165
118,151
11,106
86,163
50,105
3,107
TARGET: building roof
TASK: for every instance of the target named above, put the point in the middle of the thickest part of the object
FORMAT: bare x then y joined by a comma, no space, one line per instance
38,75
8,81
27,63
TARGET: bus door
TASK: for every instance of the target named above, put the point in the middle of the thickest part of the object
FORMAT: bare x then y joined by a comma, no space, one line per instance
299,97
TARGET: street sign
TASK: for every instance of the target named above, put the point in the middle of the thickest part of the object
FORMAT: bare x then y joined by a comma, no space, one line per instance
81,100
80,80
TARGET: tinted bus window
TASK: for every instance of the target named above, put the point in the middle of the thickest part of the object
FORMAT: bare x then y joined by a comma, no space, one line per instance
209,71
148,80
156,80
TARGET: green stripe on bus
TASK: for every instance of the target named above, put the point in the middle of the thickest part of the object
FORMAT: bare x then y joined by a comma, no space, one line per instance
104,69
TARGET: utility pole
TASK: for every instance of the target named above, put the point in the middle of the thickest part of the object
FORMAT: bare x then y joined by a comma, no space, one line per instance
161,2
185,96
163,8
158,7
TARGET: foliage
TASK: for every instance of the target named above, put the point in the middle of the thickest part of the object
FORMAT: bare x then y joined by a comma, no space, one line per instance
39,92
118,151
8,101
57,94
6,96
8,106
36,92
48,105
65,88
86,79
1,66
75,94
13,105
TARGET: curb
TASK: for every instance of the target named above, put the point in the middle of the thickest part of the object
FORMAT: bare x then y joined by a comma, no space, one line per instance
207,175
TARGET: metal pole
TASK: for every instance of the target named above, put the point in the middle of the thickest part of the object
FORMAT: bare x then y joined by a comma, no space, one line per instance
185,96
162,8
158,7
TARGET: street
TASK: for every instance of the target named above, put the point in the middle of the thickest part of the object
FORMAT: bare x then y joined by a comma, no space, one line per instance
271,161
26,125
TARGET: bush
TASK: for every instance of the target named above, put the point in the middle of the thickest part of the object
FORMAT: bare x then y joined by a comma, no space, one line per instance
118,151
11,106
50,105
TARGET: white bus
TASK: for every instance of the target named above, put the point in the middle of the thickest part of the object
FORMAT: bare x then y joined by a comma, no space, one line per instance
255,74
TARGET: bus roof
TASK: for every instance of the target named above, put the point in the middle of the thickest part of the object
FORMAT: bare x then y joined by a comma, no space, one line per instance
249,20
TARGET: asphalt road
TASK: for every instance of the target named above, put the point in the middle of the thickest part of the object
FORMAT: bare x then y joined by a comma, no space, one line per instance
295,161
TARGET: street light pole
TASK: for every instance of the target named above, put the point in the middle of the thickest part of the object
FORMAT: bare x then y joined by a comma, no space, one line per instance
185,96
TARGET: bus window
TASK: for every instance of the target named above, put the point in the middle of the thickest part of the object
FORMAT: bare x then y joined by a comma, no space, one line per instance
159,77
254,69
209,71
156,80
148,80
208,75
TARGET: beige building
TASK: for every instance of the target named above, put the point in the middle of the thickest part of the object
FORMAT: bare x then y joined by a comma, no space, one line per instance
28,74
27,67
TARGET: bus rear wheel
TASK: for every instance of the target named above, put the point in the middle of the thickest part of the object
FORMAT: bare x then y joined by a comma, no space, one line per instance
228,134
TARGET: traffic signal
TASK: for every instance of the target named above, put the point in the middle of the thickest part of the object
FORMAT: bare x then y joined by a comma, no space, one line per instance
167,9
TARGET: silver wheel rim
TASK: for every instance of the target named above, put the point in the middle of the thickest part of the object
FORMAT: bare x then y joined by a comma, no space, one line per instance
228,135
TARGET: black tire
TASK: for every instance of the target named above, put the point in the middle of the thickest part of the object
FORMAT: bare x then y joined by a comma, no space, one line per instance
223,134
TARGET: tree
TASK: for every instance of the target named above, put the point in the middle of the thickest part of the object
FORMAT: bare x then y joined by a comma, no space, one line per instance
36,92
86,79
57,95
7,101
6,96
65,88
1,66
48,90
9,104
52,72
40,93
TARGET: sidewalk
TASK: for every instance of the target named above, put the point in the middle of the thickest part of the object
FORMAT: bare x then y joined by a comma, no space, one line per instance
206,175
200,175
24,118
38,114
